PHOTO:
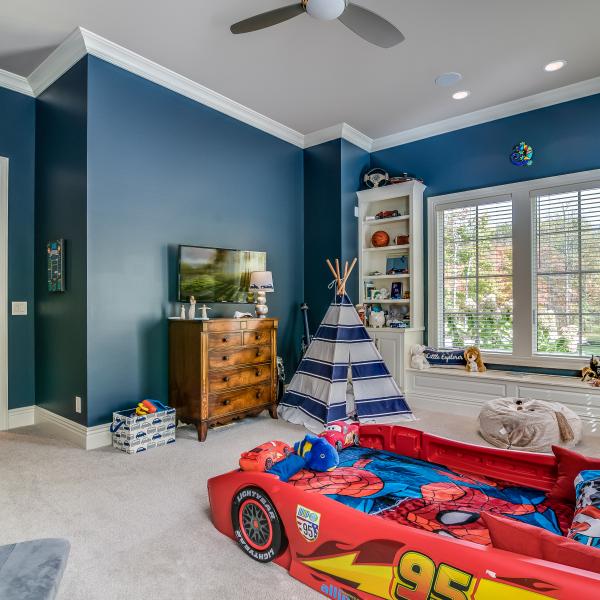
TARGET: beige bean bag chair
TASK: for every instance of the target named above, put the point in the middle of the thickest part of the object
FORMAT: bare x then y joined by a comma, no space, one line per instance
528,424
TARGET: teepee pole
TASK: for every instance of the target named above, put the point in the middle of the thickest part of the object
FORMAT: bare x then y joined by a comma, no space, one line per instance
337,279
347,272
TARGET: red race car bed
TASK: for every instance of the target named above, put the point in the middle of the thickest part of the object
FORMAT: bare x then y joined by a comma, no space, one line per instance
400,518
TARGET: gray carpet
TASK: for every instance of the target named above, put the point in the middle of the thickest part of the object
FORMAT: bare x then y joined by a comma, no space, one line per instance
139,525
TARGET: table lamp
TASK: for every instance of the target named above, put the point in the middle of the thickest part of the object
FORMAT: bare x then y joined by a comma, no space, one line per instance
261,282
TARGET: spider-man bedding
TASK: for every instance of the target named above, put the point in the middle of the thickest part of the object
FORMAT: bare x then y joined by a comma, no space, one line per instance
430,497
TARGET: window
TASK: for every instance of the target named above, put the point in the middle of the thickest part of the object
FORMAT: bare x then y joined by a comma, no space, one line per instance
515,270
567,272
475,276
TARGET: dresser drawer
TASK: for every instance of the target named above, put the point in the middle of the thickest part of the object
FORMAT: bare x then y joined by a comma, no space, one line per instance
240,356
259,324
223,325
224,339
237,401
259,336
232,378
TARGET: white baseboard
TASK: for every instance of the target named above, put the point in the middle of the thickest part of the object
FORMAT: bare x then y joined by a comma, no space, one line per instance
21,417
88,438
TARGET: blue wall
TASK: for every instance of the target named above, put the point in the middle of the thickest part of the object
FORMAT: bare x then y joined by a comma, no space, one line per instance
332,173
17,143
322,231
164,170
355,162
60,327
565,138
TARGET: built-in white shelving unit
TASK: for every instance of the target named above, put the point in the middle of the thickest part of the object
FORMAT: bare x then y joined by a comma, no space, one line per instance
406,198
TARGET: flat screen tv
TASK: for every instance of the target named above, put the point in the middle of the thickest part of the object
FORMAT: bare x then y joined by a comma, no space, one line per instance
217,274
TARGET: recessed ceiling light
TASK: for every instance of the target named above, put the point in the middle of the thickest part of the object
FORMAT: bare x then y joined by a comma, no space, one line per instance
461,95
447,79
555,65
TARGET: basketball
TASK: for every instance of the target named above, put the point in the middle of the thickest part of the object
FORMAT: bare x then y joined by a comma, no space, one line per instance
380,239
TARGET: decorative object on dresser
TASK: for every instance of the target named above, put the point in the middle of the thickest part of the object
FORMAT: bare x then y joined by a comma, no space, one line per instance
221,370
203,314
261,282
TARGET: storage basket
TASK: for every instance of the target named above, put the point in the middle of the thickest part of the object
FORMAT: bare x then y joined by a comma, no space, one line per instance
135,433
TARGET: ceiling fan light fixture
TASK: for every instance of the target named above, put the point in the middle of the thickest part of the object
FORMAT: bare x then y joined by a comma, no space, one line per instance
325,10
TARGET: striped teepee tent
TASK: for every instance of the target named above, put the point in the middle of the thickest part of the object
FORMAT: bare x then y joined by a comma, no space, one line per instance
342,373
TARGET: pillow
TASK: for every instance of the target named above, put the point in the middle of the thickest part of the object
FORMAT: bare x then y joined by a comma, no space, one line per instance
586,521
522,538
440,357
569,464
514,536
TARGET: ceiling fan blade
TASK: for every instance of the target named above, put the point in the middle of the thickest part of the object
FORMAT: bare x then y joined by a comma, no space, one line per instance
370,26
272,17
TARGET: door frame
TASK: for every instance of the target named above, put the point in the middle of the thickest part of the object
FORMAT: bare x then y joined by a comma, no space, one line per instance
4,293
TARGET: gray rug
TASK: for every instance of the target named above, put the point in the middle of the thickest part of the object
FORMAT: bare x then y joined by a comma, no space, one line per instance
139,525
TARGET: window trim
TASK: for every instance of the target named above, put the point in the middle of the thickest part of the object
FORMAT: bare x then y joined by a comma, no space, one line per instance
523,194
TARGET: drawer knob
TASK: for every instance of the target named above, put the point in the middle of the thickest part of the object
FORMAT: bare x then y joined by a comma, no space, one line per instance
226,402
226,357
225,339
226,379
259,394
257,336
257,353
258,372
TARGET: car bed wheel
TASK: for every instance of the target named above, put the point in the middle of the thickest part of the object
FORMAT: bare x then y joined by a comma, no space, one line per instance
256,524
356,440
338,446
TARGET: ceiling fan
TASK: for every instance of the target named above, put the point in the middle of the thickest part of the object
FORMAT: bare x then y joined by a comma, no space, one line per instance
365,23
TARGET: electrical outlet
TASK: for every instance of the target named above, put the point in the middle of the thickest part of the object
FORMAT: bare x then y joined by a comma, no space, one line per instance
77,404
19,309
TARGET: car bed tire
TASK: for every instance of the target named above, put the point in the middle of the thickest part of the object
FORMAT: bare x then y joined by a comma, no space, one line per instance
265,541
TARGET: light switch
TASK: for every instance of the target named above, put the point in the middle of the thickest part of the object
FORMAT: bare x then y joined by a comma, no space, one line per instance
19,309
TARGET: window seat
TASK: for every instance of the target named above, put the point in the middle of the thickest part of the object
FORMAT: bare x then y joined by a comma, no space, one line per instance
460,392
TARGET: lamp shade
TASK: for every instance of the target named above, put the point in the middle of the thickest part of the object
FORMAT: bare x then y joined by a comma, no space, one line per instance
261,281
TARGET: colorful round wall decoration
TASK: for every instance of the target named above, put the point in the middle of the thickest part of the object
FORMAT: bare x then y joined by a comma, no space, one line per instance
522,155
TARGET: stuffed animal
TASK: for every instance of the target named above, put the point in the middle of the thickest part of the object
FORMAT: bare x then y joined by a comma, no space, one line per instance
318,453
417,357
593,371
313,453
474,360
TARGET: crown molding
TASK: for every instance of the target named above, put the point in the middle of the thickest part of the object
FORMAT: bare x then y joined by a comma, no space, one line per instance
59,62
339,131
492,113
81,42
134,63
15,83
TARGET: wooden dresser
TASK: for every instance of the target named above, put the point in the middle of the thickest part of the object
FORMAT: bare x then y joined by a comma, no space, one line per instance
222,369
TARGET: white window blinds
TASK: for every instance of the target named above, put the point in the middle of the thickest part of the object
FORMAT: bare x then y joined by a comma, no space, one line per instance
567,272
475,282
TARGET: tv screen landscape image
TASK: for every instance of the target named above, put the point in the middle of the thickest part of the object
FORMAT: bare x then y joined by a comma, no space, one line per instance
217,274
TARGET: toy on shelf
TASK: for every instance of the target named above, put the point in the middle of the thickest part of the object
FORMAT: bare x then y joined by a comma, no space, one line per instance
263,457
341,434
474,360
592,373
145,407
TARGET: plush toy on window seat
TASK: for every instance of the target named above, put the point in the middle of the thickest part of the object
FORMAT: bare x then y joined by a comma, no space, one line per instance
313,453
474,360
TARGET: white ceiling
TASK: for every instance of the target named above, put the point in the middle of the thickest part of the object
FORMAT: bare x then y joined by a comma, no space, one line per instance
310,75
